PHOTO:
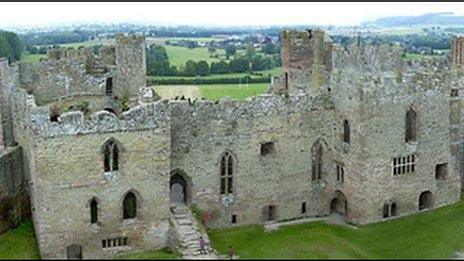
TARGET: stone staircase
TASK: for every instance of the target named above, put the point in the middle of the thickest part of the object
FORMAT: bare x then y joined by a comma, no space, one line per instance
188,232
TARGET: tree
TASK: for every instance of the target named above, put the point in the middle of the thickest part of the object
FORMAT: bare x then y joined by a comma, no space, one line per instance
219,68
158,62
190,68
230,51
202,68
269,48
10,46
239,64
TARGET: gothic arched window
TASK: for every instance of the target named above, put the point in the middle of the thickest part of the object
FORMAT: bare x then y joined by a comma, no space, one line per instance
111,151
227,170
411,125
318,151
93,211
129,206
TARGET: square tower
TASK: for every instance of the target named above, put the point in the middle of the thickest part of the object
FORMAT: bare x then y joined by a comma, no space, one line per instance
457,50
131,70
306,59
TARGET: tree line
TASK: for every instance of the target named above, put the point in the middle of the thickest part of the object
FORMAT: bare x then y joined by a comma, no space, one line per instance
158,62
10,46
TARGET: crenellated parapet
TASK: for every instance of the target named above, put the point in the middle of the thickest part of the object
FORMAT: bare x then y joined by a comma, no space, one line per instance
258,106
38,120
368,58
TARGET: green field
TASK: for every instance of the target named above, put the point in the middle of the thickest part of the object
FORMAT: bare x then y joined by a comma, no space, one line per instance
417,56
427,235
212,91
32,58
234,91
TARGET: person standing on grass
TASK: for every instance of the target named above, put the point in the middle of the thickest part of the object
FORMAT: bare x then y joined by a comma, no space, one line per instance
231,252
202,246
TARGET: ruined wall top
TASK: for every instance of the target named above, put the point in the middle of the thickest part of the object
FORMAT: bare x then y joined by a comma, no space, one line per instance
125,39
147,115
302,49
457,50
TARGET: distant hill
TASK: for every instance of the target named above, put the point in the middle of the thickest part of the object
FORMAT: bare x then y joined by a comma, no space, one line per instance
444,18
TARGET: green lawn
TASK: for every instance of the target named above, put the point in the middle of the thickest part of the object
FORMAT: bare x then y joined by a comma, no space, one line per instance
434,234
152,255
19,243
234,91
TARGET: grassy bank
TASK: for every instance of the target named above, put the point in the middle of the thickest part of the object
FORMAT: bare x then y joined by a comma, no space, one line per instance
434,234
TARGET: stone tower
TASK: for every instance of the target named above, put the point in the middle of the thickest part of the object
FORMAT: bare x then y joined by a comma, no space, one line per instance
457,50
306,59
131,70
6,92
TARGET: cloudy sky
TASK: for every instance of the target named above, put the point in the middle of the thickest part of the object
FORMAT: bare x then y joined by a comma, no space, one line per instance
27,14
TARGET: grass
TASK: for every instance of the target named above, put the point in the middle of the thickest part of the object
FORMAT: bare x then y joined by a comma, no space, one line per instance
178,55
427,235
162,254
19,243
32,58
212,91
417,56
434,234
234,91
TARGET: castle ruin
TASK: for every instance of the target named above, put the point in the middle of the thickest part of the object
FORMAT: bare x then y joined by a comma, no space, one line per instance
104,166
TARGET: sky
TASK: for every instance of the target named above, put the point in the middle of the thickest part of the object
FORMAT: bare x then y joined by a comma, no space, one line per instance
251,13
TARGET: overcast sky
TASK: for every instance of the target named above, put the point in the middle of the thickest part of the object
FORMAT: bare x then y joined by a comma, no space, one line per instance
27,14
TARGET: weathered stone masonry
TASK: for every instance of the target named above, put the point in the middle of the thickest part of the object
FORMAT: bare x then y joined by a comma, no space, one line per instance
353,130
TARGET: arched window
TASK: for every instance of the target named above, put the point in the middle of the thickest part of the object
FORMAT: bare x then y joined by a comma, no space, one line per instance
129,206
411,125
317,160
111,150
227,170
346,131
389,210
93,211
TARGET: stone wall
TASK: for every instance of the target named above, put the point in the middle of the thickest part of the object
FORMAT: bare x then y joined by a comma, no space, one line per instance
14,201
204,131
131,73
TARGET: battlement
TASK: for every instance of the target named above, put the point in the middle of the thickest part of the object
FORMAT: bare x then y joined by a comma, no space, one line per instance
258,106
302,49
133,39
143,116
388,87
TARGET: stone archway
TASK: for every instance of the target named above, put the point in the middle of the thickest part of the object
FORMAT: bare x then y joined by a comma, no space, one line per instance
179,188
425,200
339,204
74,252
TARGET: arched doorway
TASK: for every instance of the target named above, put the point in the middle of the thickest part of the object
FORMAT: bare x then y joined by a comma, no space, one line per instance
425,200
339,203
74,252
178,189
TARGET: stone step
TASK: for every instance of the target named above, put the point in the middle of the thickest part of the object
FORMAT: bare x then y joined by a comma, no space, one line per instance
181,216
184,222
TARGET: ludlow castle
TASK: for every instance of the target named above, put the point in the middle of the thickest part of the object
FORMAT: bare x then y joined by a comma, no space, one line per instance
104,166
